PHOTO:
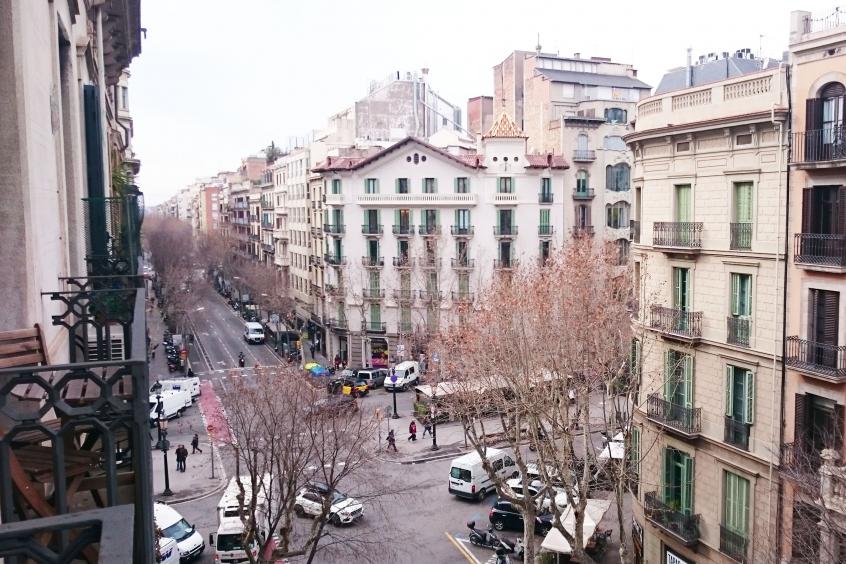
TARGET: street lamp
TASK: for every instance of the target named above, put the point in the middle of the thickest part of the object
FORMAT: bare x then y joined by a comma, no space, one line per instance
434,425
163,427
159,411
394,389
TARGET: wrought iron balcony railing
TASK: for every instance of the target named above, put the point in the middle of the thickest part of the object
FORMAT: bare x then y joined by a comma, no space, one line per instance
584,155
431,295
373,326
335,290
733,544
403,230
819,145
736,432
820,359
373,293
462,296
338,323
113,234
505,264
334,260
462,263
545,230
740,236
677,234
405,327
676,322
582,231
739,330
505,230
681,524
462,230
429,229
583,193
269,249
819,249
372,262
429,263
403,262
371,229
685,420
404,295
333,228
545,197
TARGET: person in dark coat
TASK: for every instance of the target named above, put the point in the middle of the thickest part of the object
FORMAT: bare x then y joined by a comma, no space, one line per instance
427,427
392,442
195,444
412,431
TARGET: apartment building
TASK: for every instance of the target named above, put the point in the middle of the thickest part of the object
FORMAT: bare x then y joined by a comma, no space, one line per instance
239,216
70,252
295,166
814,514
281,237
413,232
709,189
580,108
208,209
267,219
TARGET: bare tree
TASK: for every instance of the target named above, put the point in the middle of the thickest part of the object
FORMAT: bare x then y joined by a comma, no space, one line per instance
172,250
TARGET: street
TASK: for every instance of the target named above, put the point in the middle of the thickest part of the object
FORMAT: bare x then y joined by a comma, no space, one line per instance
409,515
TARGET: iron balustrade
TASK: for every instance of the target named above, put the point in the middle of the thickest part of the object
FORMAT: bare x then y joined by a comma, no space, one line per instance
269,249
373,293
505,264
462,230
404,295
676,321
431,295
429,229
819,358
403,262
687,420
462,263
337,323
736,432
733,543
819,145
583,193
333,228
371,229
372,262
334,260
505,230
819,249
545,197
113,233
545,230
462,296
680,523
429,263
582,231
740,236
373,326
584,155
739,330
680,234
404,230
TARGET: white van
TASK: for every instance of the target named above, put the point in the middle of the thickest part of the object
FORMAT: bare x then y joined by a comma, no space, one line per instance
173,403
407,375
191,384
168,550
467,477
227,541
253,332
173,525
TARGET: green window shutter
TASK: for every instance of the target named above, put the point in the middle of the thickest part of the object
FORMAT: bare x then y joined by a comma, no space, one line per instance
457,217
544,217
746,294
455,185
668,375
743,202
396,217
735,294
435,185
437,217
688,381
729,390
749,389
397,185
736,503
635,450
666,477
687,488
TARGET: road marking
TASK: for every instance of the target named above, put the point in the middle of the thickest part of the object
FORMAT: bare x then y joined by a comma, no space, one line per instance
462,549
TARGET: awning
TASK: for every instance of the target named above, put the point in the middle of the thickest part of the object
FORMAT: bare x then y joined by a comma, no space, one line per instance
594,511
614,449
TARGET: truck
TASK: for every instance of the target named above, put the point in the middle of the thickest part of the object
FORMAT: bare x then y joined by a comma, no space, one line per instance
173,403
228,541
191,383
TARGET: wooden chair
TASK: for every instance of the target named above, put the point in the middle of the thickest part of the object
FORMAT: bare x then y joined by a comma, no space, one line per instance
22,347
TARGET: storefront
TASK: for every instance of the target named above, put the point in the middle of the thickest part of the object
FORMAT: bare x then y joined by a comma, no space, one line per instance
379,356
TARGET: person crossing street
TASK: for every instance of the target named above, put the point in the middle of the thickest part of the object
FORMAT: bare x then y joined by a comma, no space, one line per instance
195,444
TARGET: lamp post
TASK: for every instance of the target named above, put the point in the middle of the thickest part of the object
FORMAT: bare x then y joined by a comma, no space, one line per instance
394,389
163,427
434,425
159,410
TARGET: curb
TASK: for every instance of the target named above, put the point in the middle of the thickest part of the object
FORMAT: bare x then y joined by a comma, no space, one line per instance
172,500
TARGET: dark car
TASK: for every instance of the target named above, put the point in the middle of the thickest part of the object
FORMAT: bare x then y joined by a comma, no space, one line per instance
333,405
505,515
374,377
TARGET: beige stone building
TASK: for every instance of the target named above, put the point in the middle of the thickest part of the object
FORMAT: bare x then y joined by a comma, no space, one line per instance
295,167
709,187
815,355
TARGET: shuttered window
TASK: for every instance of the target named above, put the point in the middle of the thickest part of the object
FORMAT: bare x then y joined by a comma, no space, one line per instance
678,378
430,185
402,186
823,317
371,185
684,209
740,394
743,202
462,185
678,480
735,503
544,217
741,295
681,288
505,185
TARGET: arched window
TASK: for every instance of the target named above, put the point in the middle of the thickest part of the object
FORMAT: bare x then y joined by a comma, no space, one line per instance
617,215
617,177
832,107
582,181
615,115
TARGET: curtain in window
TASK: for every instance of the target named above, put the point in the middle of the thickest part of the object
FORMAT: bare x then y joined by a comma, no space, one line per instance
683,203
375,314
582,181
544,217
743,202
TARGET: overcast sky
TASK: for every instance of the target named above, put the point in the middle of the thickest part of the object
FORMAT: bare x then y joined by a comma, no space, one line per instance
220,79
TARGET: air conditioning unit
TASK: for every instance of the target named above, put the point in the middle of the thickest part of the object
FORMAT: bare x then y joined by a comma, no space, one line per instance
116,348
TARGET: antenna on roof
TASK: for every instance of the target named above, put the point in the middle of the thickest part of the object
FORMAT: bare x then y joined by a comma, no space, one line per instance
538,46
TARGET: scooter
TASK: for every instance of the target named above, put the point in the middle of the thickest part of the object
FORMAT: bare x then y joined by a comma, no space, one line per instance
241,360
484,539
513,548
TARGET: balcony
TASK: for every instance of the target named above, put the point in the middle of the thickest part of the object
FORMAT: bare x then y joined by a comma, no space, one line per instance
819,148
824,361
113,234
736,433
395,200
269,249
823,252
505,198
316,232
429,263
430,295
676,323
403,262
372,262
462,297
337,324
634,231
733,544
505,231
738,330
335,260
685,421
582,231
462,263
373,326
373,294
267,204
545,231
740,236
403,230
240,205
506,264
254,237
405,327
678,523
583,193
545,197
462,231
335,291
403,295
371,229
584,155
677,236
334,229
430,230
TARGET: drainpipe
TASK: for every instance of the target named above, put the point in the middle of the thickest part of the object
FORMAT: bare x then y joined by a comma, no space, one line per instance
688,74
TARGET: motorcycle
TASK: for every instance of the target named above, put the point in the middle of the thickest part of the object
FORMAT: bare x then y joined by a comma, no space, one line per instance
241,360
513,548
483,539
173,365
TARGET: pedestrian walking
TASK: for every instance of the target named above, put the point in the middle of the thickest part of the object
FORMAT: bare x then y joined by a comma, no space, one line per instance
195,444
337,362
311,348
412,431
178,453
427,427
184,456
392,441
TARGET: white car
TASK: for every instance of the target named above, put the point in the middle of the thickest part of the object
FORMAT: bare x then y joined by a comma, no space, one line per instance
535,487
173,525
343,511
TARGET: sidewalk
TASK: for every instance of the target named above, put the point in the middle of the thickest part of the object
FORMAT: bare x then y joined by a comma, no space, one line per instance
450,437
196,481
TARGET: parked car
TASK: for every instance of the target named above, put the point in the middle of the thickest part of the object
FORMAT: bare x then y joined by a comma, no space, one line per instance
468,478
536,487
173,525
504,515
354,387
333,405
407,375
374,377
342,511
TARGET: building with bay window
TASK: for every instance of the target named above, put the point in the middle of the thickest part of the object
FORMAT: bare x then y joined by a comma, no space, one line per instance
709,188
412,232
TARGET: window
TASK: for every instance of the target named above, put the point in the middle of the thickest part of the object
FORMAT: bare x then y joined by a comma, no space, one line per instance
402,185
617,215
505,221
462,220
823,213
622,251
741,229
683,146
582,142
463,283
462,185
375,314
582,216
430,186
634,452
617,177
678,480
741,309
546,191
678,384
735,510
430,219
615,115
740,394
614,143
681,289
582,181
544,217
124,98
505,185
823,327
371,186
744,139
544,250
684,203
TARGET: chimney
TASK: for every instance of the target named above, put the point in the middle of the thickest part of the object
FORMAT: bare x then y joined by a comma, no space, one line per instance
688,71
577,55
